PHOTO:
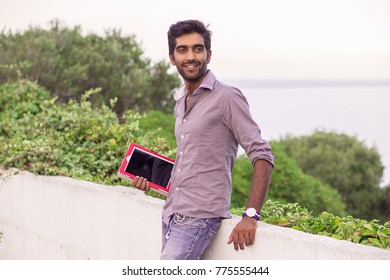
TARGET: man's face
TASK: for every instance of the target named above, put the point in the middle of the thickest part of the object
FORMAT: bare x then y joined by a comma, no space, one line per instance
190,57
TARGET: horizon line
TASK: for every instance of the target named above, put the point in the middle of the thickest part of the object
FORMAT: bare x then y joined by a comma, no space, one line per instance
289,82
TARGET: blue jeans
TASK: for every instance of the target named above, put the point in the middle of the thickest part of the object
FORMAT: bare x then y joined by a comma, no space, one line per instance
186,238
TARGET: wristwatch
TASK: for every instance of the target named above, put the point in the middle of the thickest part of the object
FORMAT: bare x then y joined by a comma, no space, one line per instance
251,213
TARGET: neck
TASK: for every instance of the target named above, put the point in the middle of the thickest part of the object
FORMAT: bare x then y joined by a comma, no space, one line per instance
191,86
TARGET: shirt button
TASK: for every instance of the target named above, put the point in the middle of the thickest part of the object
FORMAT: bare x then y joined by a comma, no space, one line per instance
182,136
184,120
177,189
179,170
181,153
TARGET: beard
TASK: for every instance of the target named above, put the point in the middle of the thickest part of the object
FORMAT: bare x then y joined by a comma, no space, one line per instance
196,74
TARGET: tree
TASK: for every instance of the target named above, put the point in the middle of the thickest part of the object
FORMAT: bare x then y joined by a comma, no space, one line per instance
68,63
384,205
343,162
288,184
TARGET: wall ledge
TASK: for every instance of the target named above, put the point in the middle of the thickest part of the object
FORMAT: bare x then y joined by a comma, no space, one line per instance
54,217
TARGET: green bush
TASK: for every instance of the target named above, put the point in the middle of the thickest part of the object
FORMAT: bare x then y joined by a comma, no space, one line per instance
16,99
88,142
293,215
288,184
346,164
161,123
73,139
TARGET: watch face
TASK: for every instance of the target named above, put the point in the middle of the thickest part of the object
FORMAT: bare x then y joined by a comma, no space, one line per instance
251,212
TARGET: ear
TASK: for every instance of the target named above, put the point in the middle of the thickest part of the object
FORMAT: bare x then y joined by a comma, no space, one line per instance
172,59
209,56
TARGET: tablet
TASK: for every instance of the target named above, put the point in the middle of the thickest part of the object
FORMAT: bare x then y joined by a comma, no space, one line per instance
156,168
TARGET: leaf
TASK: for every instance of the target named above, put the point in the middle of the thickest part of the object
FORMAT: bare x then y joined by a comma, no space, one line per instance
369,227
375,242
386,231
366,232
356,238
337,236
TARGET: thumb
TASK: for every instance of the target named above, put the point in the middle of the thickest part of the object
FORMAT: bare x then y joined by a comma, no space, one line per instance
230,240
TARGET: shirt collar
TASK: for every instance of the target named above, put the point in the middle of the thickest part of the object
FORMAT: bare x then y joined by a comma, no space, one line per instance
207,83
179,93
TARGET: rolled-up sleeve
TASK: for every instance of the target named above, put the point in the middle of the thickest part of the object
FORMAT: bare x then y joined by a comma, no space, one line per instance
236,115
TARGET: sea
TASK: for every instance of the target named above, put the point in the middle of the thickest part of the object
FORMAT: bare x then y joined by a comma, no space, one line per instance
360,108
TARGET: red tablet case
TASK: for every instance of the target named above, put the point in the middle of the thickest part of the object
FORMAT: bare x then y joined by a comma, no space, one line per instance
125,174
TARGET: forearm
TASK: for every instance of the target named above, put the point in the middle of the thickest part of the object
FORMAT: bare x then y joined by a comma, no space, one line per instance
260,182
243,233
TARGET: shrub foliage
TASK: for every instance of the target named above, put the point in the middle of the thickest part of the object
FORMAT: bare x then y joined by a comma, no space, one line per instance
79,140
295,216
288,184
346,164
68,63
74,139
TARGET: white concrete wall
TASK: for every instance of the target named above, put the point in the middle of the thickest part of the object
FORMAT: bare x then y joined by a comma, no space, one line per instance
61,218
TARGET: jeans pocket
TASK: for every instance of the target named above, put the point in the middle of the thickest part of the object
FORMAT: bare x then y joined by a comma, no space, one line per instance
213,225
210,229
171,223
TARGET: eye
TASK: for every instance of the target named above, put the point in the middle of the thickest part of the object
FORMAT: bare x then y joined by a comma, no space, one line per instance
181,49
199,48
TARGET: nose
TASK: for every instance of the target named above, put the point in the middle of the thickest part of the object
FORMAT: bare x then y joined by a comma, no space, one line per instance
190,55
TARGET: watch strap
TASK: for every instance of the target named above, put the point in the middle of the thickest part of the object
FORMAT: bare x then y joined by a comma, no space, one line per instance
255,216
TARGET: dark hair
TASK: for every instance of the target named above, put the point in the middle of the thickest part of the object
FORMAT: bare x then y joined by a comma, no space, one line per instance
188,27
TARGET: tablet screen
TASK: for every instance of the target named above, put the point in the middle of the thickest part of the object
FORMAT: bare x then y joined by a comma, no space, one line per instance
142,162
149,166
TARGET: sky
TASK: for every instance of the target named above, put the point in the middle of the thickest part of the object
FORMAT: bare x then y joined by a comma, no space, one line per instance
254,39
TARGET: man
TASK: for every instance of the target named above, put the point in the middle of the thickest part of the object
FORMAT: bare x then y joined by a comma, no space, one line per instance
211,119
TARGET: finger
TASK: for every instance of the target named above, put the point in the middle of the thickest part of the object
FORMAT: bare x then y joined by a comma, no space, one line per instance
248,239
147,186
236,245
230,239
235,241
134,182
252,237
139,183
241,241
144,184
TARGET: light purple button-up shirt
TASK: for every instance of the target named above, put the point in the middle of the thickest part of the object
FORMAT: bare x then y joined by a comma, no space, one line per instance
207,134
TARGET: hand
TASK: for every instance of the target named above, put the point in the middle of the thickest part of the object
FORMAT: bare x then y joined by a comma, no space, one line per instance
141,184
243,233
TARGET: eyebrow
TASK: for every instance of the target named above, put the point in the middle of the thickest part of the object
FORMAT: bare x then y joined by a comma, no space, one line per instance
194,46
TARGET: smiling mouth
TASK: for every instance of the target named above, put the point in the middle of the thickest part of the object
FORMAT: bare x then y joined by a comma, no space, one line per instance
191,66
